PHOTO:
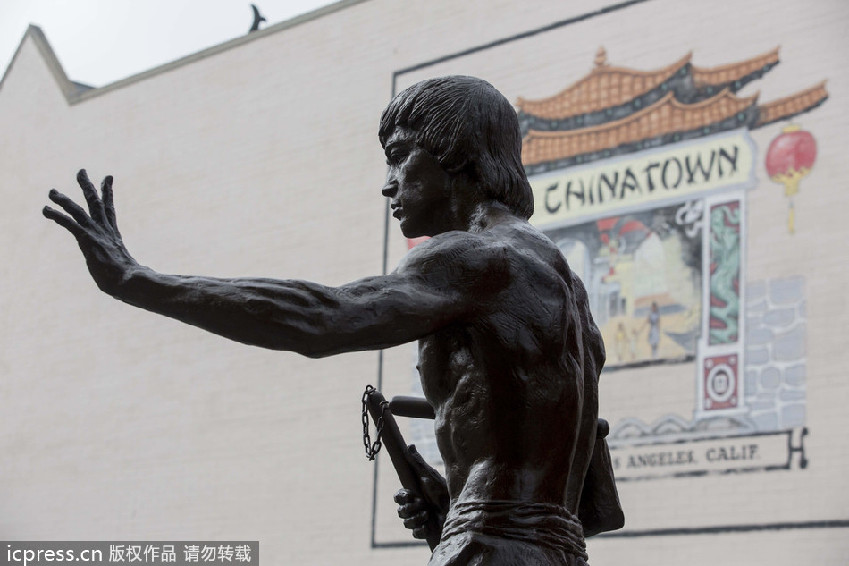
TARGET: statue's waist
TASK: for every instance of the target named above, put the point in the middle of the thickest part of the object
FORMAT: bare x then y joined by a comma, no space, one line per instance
541,524
540,476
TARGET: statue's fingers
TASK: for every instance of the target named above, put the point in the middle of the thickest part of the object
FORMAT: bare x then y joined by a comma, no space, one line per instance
95,205
69,206
411,509
416,521
432,482
404,496
108,202
65,221
415,459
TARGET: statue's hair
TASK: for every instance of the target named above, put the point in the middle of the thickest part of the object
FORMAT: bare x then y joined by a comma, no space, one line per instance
470,128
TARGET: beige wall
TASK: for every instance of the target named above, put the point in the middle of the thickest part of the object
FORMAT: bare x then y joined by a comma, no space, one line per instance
260,158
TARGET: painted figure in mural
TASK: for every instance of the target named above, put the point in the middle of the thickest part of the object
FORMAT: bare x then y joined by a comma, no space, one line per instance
654,328
509,355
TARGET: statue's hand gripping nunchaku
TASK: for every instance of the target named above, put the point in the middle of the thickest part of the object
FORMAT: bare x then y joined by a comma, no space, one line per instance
407,462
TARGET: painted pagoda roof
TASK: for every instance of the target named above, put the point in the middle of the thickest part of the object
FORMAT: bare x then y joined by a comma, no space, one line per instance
666,116
609,92
603,87
792,105
728,74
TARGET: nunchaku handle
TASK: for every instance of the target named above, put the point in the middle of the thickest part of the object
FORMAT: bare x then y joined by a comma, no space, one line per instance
411,407
418,408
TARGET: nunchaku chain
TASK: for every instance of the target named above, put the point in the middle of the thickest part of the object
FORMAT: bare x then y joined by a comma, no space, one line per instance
372,448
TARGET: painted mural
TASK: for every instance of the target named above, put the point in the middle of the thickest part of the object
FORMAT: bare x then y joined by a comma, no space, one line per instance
641,179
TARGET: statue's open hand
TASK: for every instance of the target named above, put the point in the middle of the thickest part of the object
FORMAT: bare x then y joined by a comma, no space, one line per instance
423,513
96,232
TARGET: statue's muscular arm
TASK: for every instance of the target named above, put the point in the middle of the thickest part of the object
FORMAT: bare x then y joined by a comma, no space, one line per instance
444,281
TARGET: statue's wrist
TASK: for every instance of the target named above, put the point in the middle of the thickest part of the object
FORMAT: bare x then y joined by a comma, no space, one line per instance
130,283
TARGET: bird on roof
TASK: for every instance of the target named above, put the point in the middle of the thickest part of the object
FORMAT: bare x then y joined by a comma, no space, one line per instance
258,18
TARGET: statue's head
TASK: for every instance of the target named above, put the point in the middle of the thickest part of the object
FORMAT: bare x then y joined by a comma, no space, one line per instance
471,129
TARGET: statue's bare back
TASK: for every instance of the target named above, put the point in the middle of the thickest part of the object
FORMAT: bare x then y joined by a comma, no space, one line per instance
502,381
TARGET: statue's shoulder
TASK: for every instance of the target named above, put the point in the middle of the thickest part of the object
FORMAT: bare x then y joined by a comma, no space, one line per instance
529,245
461,252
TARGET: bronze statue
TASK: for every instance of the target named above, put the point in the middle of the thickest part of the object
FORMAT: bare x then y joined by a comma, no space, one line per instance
509,355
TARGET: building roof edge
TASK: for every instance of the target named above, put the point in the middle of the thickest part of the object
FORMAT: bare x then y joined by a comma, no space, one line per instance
68,88
75,94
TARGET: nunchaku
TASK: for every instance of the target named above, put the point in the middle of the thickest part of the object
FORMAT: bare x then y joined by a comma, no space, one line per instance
399,453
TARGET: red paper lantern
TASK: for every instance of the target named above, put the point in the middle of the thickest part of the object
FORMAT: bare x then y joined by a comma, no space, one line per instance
789,158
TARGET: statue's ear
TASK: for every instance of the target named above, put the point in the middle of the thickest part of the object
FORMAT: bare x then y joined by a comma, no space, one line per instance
465,179
465,168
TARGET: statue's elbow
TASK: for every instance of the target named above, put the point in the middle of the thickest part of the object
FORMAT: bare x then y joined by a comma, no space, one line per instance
315,353
316,346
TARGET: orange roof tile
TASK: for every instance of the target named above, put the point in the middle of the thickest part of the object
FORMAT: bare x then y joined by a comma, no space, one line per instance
791,105
725,74
666,116
603,87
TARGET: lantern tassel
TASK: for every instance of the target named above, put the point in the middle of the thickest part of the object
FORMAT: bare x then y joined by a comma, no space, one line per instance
791,218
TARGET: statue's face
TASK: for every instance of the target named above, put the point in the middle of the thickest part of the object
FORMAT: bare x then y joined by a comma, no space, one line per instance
418,187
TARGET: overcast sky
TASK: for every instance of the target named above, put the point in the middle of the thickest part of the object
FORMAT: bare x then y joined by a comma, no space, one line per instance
101,41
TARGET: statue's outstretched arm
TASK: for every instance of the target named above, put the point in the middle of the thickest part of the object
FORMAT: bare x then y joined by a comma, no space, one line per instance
312,319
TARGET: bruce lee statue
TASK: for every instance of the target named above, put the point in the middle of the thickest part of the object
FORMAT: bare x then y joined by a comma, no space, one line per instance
509,355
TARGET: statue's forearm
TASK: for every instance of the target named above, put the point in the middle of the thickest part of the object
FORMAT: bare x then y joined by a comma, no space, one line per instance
282,315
